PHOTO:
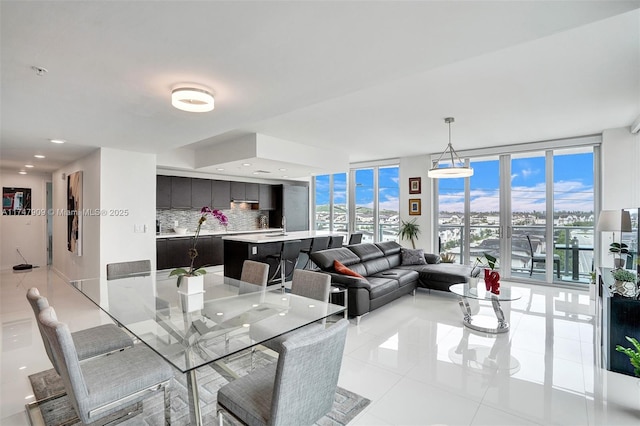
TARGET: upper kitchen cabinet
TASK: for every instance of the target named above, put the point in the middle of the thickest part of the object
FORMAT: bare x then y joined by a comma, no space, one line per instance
200,193
180,192
163,192
243,191
267,197
221,194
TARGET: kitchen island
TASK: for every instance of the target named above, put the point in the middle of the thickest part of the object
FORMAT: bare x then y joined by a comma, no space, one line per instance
238,248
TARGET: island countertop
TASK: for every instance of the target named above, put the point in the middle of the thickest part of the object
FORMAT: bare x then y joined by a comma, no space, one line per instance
219,233
277,237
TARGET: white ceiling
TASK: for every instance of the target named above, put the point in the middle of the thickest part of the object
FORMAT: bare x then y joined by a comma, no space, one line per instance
362,80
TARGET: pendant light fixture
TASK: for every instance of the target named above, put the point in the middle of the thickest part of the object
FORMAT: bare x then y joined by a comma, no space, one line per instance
457,168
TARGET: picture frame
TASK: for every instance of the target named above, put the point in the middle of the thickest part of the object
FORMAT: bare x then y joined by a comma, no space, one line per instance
415,185
415,206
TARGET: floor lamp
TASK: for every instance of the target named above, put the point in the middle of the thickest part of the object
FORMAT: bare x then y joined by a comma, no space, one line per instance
614,221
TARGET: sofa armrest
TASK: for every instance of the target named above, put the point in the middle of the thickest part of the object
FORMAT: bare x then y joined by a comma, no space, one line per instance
348,281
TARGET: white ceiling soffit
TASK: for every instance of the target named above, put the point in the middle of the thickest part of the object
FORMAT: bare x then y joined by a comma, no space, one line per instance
266,156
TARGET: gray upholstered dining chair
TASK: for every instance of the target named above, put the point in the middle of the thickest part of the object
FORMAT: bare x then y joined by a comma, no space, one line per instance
101,386
91,342
315,285
297,390
254,276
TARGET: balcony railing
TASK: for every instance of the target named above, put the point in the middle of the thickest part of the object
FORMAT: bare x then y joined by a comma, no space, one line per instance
572,244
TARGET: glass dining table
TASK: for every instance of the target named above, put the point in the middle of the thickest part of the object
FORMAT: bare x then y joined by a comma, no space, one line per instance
193,330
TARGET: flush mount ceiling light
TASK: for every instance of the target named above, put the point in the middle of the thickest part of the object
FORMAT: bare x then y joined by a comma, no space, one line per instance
191,99
457,168
57,141
39,156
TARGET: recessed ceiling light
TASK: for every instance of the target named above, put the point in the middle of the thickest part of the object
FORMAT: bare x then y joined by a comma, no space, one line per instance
57,140
39,156
192,100
220,169
285,176
22,172
28,165
283,170
246,164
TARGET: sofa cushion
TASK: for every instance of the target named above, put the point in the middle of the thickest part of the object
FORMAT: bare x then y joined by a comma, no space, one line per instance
413,257
404,276
324,259
366,251
389,247
381,286
441,275
341,269
432,258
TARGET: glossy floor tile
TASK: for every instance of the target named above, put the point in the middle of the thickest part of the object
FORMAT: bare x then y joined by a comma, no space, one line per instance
412,358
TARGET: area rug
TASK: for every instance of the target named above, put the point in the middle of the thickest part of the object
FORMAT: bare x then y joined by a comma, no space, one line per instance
59,411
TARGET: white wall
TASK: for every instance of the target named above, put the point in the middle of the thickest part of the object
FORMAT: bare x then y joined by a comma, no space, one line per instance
417,166
620,168
128,195
28,233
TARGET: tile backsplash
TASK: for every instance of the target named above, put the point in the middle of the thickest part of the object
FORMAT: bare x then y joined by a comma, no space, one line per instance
241,218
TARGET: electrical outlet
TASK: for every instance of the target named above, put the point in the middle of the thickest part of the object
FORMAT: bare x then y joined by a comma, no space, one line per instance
254,250
175,224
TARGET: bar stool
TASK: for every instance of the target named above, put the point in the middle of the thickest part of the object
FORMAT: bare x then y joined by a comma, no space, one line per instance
336,241
317,244
289,253
355,238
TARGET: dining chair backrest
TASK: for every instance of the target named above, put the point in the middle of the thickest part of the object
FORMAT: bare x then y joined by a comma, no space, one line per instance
315,285
336,241
128,269
102,386
254,276
355,238
62,346
38,304
307,376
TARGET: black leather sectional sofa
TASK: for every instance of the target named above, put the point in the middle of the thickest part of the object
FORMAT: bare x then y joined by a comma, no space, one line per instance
385,278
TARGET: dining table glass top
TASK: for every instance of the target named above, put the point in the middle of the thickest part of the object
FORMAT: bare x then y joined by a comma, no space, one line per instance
192,330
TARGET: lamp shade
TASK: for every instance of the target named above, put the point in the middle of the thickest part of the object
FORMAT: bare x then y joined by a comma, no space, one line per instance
614,220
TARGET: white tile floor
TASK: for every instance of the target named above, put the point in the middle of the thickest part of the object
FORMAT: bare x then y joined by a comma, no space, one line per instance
412,358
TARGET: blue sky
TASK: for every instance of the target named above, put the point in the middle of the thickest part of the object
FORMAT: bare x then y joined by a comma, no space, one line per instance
573,185
572,176
387,182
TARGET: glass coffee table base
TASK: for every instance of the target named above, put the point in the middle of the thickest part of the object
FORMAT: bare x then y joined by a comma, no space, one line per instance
484,323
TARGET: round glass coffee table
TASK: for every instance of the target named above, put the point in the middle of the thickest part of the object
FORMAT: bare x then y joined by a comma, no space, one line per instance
480,322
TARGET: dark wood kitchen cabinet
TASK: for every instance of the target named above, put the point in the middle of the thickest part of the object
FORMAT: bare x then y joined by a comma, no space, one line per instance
244,191
221,194
173,252
163,192
180,192
267,198
200,193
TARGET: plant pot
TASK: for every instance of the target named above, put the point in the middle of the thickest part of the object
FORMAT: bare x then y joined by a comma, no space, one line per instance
618,263
191,302
625,288
191,284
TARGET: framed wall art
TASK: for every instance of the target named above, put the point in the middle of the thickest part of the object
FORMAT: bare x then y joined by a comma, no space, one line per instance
415,208
74,213
16,201
415,185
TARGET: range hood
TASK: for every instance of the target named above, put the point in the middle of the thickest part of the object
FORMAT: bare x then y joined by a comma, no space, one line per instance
245,201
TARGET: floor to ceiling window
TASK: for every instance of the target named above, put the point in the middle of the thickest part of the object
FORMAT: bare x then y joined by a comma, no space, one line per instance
533,209
367,202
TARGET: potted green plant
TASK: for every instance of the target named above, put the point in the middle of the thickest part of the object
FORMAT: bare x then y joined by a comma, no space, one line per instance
633,354
618,249
409,231
626,282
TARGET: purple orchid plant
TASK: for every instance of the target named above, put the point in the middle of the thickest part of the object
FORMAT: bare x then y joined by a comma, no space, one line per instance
193,251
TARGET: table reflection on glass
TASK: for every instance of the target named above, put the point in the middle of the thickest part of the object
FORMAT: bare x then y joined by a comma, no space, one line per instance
193,330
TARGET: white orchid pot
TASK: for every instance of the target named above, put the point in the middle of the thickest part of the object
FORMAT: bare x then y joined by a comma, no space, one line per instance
192,284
